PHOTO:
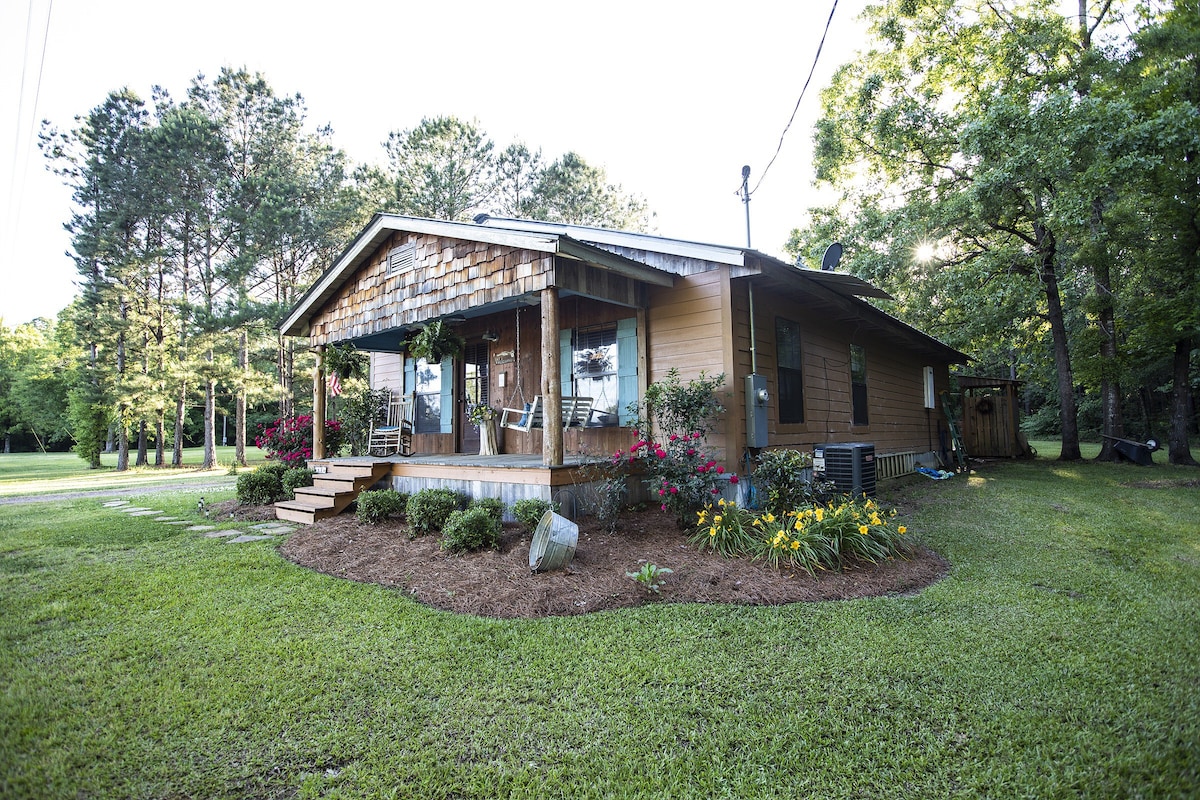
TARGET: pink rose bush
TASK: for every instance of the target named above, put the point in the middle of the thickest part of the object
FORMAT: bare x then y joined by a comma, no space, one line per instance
290,439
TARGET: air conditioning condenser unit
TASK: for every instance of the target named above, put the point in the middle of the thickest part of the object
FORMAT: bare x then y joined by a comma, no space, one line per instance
850,467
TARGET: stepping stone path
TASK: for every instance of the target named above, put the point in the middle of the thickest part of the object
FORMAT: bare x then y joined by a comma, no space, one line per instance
264,530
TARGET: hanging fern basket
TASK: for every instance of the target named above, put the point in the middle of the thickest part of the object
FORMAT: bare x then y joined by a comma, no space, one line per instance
435,342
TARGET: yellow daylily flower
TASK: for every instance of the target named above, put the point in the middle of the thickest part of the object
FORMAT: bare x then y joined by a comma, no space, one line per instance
863,529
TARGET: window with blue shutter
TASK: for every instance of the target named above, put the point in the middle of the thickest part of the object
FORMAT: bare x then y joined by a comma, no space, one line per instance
600,362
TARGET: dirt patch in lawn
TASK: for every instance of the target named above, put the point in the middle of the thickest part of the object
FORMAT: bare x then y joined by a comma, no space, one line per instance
498,583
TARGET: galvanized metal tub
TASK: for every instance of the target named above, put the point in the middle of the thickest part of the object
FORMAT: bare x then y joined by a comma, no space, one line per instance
553,544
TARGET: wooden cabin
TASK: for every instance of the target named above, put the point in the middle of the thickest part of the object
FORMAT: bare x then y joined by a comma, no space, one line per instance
553,311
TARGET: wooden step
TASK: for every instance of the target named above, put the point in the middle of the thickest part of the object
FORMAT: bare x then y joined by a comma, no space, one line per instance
297,511
333,490
347,483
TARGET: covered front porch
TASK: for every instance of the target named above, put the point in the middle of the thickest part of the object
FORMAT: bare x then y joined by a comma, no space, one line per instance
509,477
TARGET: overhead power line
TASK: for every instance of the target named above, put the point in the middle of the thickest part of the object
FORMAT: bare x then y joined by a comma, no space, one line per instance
800,99
18,178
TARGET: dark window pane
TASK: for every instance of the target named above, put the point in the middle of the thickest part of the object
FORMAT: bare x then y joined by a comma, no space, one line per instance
790,371
858,385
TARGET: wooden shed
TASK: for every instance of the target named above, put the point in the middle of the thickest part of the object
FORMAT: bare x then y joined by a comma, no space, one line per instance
991,424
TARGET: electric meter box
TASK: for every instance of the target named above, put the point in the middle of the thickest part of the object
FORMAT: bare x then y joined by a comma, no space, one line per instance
756,410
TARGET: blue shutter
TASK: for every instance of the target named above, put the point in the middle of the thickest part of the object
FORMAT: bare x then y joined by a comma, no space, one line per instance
566,358
447,395
410,375
627,364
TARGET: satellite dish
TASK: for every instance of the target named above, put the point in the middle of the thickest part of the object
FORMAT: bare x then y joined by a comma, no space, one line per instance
833,254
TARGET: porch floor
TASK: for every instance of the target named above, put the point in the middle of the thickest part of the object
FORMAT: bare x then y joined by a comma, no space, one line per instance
500,461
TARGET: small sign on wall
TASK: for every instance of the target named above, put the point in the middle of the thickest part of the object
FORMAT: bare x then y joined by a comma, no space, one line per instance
503,357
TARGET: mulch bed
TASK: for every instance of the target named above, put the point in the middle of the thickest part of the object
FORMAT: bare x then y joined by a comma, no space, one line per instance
498,583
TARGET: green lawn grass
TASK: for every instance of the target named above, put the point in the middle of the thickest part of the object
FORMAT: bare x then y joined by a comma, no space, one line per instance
39,473
1060,658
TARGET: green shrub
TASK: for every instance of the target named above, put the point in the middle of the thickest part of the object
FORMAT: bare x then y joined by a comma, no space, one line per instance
276,468
293,479
493,505
428,509
472,529
376,506
779,478
259,488
529,511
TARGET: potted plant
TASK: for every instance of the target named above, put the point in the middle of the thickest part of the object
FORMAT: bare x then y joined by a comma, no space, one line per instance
483,416
435,341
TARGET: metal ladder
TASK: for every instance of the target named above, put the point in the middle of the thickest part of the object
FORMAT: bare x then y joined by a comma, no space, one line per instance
960,452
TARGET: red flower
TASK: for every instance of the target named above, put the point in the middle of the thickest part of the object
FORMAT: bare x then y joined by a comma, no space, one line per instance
733,478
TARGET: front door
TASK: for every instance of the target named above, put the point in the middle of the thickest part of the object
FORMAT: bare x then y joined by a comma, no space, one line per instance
474,385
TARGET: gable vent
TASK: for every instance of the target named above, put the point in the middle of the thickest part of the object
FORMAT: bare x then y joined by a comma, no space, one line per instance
402,258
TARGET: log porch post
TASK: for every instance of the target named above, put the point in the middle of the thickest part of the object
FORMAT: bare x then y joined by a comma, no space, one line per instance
552,429
318,418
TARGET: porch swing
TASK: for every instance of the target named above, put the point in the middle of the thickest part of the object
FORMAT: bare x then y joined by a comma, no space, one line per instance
576,411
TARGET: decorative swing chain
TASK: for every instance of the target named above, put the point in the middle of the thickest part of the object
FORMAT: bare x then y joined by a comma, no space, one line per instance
517,358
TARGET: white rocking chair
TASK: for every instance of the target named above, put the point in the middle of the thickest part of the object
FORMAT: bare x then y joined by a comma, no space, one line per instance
394,434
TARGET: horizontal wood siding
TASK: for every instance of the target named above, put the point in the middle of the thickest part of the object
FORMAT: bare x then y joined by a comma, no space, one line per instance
688,330
387,371
898,420
684,325
450,275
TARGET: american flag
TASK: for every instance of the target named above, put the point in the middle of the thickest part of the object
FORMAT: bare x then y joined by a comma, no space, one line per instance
335,384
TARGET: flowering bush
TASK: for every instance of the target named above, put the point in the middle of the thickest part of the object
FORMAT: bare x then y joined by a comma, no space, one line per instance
290,439
678,472
820,537
725,529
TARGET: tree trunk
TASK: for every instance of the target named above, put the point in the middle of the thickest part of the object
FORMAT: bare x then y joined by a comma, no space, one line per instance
1178,451
142,460
1062,353
180,420
210,416
122,442
240,410
1110,385
122,407
160,435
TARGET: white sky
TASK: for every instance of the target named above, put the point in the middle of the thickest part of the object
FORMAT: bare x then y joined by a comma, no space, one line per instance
671,98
